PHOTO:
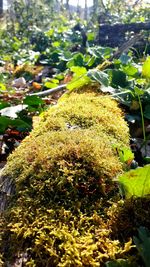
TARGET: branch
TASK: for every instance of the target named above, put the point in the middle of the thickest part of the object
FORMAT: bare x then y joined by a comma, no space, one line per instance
136,3
50,91
125,47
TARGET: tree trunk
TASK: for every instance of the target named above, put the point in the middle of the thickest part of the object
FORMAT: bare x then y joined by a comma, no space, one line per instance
68,8
78,9
1,7
85,10
95,7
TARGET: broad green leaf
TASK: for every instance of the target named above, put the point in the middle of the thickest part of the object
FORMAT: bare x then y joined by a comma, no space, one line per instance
130,70
143,244
78,70
33,101
125,154
147,112
138,91
56,44
4,104
91,36
124,58
56,81
76,60
77,83
4,123
99,76
136,182
18,124
146,68
2,87
50,85
140,81
91,61
118,78
147,160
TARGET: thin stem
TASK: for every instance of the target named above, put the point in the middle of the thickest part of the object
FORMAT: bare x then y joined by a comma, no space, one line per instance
142,116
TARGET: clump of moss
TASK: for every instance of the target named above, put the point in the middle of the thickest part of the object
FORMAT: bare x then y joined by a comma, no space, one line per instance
86,111
26,70
63,174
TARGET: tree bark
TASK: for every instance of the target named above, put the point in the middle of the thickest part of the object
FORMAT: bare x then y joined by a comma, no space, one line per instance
1,7
85,10
115,35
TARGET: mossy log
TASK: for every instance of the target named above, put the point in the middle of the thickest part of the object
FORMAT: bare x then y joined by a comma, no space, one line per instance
117,34
63,184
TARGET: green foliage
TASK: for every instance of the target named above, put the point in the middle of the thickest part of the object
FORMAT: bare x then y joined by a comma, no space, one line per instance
136,182
143,243
146,68
65,211
79,79
119,263
19,124
99,76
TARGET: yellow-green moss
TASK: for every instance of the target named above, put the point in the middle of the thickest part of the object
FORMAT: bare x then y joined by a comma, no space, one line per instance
86,111
63,174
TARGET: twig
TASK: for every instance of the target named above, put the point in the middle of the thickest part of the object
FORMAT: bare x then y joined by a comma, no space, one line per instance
50,91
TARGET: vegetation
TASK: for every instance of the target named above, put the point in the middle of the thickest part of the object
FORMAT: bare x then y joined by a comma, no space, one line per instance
70,167
78,196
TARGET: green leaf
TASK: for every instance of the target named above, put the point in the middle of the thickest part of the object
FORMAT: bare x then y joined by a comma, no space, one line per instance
124,58
138,91
130,70
136,182
2,87
56,44
91,61
77,83
78,70
50,85
80,78
118,263
4,104
125,154
140,81
20,125
118,78
146,68
99,76
143,244
147,112
4,123
91,36
33,101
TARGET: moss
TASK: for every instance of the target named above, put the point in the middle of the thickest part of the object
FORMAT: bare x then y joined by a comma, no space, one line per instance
86,111
63,174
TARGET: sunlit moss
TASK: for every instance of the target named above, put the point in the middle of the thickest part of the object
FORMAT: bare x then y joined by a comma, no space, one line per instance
63,174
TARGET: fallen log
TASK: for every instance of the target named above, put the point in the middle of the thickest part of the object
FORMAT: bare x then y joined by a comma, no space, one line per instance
115,35
62,175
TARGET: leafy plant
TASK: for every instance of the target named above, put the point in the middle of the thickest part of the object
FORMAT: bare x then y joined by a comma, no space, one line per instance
119,263
135,182
142,243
